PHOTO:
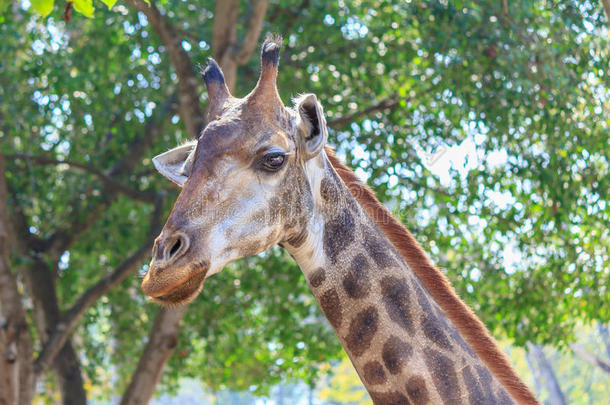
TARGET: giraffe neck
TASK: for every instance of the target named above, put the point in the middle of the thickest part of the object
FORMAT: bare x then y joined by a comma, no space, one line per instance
399,340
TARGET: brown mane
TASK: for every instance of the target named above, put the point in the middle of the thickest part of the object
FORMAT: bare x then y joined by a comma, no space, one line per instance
467,323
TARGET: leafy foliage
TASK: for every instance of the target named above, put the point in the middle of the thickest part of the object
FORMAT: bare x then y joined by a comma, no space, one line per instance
520,222
44,7
344,386
84,7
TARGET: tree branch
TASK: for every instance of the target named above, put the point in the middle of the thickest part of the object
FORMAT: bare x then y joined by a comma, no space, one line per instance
143,141
389,103
546,370
293,14
69,320
505,7
63,238
606,4
255,25
224,30
108,182
603,331
188,95
24,239
224,34
590,358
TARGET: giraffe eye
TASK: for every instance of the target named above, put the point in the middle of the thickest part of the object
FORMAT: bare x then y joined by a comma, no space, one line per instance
273,161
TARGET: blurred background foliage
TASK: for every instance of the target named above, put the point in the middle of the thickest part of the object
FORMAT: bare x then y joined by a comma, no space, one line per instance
483,124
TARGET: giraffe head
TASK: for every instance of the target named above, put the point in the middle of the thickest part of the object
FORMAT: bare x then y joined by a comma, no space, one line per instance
244,182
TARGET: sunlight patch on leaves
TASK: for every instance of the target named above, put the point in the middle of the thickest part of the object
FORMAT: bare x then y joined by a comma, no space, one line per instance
85,7
44,7
109,3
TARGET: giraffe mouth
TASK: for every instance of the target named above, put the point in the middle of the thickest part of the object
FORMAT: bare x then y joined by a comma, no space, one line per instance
183,293
170,286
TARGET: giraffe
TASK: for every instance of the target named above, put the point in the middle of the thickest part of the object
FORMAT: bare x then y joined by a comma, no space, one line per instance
261,174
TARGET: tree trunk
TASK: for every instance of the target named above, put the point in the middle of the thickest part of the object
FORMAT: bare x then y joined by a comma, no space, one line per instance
606,4
40,280
224,35
556,396
603,330
188,97
280,394
67,370
535,373
162,342
590,358
16,370
224,41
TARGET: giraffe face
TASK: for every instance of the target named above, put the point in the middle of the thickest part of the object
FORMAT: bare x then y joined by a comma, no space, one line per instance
244,190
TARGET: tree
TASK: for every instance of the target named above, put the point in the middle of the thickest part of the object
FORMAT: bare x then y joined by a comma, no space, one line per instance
566,374
343,385
521,228
544,369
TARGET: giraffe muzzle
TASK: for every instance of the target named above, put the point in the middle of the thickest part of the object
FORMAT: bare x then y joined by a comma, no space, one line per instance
175,286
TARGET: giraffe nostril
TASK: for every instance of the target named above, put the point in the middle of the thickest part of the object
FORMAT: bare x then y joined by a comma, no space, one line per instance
175,247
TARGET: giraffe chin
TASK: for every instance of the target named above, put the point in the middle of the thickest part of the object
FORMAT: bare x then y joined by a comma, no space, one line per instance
184,293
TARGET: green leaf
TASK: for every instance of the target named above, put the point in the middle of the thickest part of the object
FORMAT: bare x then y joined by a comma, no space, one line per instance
85,7
109,3
3,7
44,7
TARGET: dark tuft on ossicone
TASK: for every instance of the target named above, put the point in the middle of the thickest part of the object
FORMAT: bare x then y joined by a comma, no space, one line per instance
271,50
212,73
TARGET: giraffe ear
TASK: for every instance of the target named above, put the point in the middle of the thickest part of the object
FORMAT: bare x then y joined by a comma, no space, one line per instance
176,164
311,125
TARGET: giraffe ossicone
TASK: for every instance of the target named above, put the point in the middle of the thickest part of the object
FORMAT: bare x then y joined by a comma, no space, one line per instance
260,175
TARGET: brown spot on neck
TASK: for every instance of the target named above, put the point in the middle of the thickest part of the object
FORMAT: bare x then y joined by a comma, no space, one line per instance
331,306
328,190
417,392
338,234
433,331
395,292
442,369
362,329
395,354
317,277
389,398
486,382
475,393
378,248
373,373
356,282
